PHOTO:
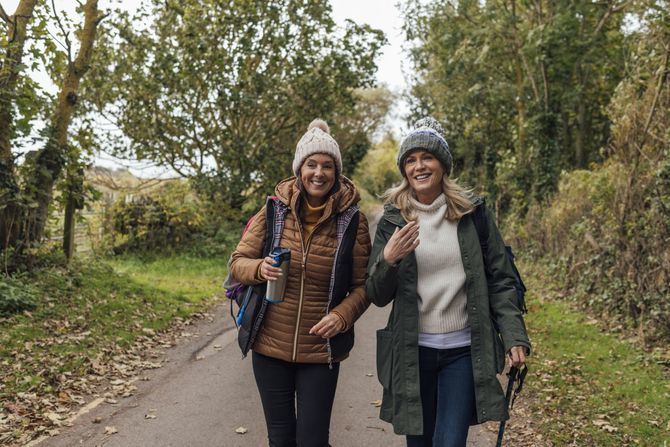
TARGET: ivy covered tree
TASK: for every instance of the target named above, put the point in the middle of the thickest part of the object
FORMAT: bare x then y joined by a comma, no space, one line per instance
522,86
26,190
221,90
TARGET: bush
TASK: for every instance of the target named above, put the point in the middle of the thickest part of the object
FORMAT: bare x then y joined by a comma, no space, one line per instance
16,297
614,259
169,218
607,230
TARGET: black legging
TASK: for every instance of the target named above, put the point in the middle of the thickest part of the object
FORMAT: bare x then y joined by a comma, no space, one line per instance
280,385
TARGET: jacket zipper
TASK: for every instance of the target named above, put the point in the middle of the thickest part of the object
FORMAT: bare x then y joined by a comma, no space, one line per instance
305,252
302,290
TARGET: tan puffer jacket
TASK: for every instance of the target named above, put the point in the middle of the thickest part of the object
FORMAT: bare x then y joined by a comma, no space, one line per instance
285,332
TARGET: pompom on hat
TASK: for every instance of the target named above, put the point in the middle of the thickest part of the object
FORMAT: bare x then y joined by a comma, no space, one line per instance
427,135
317,140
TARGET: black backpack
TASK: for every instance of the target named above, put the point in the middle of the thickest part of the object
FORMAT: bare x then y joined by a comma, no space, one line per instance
481,224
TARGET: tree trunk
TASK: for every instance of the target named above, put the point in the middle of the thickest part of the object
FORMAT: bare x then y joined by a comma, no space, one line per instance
10,67
69,228
9,75
580,157
51,159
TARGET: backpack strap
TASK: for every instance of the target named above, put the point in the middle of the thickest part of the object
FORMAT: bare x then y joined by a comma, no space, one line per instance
481,225
275,217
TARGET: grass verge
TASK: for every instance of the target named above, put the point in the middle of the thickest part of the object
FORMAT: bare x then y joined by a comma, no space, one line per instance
587,386
86,314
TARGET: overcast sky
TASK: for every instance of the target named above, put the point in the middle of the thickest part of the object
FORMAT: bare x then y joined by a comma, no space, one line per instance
381,14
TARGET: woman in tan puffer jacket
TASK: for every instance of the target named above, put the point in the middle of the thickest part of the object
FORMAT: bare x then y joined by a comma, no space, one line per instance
297,351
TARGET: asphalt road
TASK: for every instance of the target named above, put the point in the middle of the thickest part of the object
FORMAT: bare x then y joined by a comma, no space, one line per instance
205,391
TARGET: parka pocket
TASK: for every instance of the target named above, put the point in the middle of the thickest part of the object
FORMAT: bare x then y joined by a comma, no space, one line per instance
498,351
384,357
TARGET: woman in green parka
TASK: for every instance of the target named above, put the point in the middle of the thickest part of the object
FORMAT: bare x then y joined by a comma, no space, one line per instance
438,357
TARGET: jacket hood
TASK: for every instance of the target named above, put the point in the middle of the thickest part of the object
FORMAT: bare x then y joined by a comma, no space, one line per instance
345,194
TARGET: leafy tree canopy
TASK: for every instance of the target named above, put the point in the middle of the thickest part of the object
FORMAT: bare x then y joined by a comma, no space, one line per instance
222,90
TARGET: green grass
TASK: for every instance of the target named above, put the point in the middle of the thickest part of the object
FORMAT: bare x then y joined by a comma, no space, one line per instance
190,276
93,308
589,387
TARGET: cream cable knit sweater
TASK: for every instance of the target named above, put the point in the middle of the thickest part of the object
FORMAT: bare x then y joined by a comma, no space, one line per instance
441,277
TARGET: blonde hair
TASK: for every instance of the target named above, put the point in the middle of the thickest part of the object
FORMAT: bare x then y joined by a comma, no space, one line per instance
459,199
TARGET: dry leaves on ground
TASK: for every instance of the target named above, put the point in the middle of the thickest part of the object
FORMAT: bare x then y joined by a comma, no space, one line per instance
111,374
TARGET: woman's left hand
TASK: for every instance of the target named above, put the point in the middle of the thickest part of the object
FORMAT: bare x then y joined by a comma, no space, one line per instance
517,356
328,327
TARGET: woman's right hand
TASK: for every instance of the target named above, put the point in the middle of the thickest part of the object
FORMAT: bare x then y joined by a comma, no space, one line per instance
268,271
402,242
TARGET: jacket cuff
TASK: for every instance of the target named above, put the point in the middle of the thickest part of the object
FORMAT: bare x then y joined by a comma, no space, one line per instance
258,277
384,266
344,321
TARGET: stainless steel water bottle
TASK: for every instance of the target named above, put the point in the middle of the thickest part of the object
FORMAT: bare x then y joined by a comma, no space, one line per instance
282,259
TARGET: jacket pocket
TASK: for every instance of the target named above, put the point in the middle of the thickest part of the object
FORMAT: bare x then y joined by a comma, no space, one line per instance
498,351
384,357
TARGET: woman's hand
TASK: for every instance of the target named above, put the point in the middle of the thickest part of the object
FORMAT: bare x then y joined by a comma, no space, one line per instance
517,356
402,242
268,271
329,326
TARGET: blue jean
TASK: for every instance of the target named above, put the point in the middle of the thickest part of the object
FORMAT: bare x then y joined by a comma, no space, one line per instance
447,397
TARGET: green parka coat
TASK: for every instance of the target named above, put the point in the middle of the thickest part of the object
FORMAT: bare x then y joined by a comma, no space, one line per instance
487,301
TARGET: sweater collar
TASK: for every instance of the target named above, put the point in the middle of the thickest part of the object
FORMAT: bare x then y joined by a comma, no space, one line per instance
440,201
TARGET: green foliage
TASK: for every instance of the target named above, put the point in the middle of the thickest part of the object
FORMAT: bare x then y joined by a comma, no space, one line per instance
378,170
31,116
609,227
166,219
221,91
528,80
15,297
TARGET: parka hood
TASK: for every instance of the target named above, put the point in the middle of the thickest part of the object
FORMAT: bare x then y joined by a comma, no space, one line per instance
345,194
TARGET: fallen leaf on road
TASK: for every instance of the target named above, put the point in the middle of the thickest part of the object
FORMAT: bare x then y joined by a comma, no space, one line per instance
241,430
376,403
149,416
110,430
55,418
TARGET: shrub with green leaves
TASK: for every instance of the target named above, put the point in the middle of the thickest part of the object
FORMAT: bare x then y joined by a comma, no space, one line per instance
16,297
169,217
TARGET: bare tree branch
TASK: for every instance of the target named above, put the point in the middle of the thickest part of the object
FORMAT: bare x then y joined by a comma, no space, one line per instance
66,34
663,74
613,9
3,14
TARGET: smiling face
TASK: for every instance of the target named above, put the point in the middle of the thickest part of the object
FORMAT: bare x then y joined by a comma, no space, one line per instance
317,175
424,173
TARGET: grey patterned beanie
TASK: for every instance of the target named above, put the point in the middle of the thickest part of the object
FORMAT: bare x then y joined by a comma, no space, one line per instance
427,135
316,140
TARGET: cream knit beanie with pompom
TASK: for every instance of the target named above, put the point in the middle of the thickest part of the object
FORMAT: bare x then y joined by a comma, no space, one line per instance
316,140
